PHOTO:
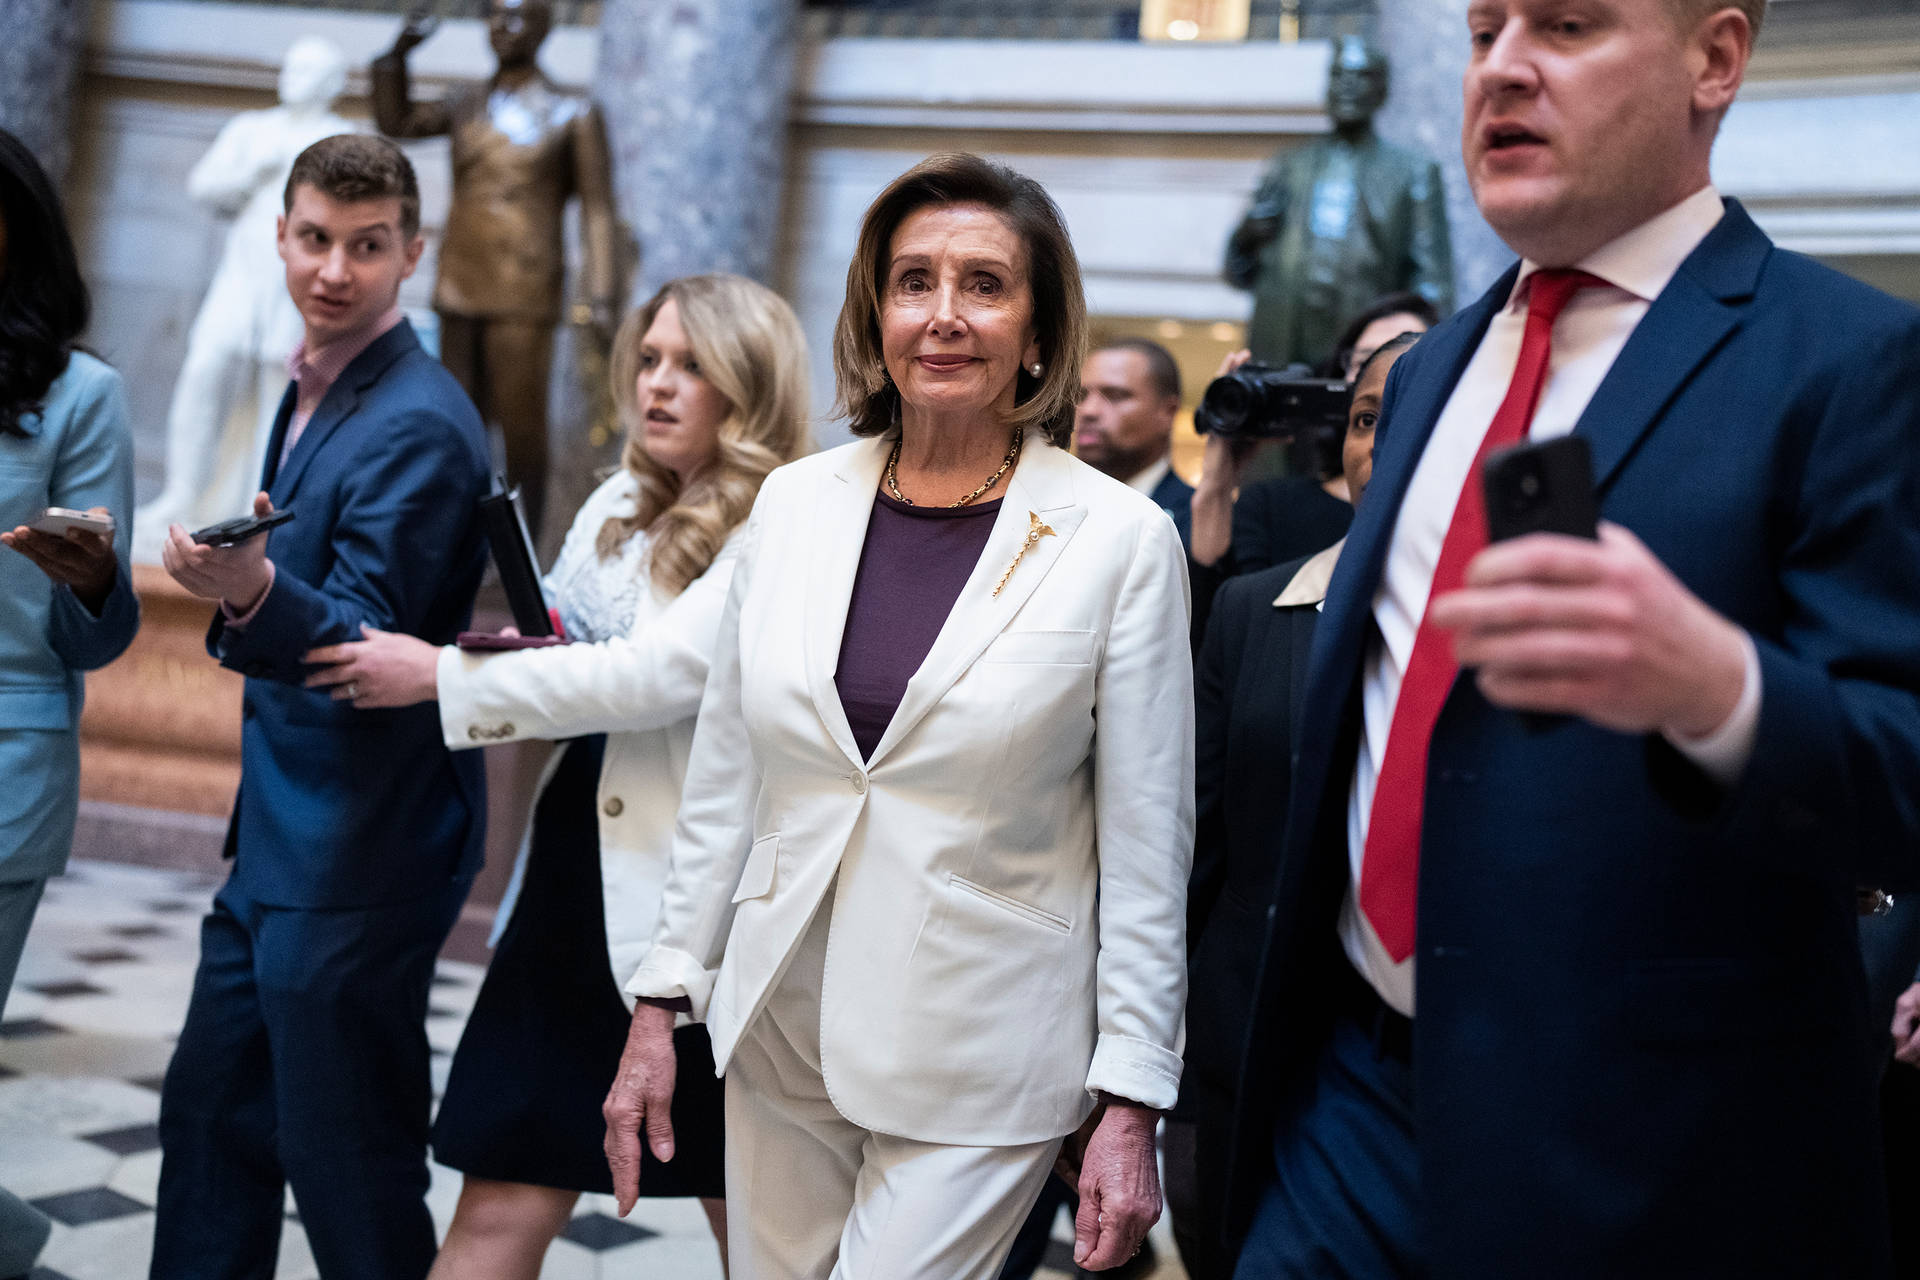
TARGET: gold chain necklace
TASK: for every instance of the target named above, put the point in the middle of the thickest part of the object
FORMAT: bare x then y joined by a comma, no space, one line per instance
893,479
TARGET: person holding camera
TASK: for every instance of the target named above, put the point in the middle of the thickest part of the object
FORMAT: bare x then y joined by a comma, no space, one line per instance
70,605
1249,675
1241,529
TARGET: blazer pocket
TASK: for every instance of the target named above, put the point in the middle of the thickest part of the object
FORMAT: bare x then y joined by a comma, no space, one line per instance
1055,648
756,878
1059,924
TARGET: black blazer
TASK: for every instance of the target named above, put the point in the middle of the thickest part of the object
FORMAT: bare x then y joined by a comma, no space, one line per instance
1249,677
1640,1041
1284,518
1279,520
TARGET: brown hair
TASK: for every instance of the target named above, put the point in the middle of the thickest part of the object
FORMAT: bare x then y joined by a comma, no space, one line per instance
866,396
750,347
350,167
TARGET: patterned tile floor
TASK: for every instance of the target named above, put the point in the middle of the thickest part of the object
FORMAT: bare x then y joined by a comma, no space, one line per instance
87,1033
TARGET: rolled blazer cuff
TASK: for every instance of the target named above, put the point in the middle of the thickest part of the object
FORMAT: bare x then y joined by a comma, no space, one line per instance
1138,1070
669,972
460,716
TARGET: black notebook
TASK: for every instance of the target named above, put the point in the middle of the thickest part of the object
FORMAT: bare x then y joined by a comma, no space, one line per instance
507,537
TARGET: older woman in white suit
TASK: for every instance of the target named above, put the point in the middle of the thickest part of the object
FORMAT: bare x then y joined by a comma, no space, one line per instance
928,883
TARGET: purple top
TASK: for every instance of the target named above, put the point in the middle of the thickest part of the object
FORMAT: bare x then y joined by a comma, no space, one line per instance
912,567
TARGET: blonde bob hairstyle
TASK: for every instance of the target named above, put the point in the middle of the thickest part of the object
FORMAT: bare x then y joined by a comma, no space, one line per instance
867,397
750,347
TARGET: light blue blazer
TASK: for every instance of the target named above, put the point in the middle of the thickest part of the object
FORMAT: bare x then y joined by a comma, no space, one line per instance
78,453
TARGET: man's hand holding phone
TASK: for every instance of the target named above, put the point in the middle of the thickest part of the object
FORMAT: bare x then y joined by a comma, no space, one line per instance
1591,627
238,576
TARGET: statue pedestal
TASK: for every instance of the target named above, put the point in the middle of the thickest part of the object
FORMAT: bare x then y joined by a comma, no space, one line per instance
162,723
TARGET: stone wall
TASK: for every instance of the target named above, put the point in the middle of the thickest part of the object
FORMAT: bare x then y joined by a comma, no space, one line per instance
1150,149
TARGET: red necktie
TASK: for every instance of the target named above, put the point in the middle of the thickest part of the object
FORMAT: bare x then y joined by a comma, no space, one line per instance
1390,866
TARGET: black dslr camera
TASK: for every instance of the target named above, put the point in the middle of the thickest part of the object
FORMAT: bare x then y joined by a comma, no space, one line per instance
1261,402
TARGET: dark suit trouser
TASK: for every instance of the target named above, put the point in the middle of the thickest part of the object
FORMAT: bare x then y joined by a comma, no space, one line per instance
303,1063
1343,1199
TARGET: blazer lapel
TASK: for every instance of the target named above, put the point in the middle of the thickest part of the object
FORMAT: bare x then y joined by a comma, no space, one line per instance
839,534
1041,487
342,398
270,465
1692,316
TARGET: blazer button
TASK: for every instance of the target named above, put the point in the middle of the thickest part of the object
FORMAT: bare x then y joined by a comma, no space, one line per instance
473,733
506,730
859,781
613,807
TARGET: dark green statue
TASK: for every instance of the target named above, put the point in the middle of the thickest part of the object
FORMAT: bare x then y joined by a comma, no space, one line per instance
1338,222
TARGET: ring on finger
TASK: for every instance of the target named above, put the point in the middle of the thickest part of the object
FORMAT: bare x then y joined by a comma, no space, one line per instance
353,690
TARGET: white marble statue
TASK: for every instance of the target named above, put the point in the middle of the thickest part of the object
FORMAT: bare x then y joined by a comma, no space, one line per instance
235,370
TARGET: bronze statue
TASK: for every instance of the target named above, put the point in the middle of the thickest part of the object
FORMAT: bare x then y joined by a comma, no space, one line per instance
521,147
1338,222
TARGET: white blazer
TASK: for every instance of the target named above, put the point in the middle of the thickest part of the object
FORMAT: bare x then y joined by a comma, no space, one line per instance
641,689
1010,867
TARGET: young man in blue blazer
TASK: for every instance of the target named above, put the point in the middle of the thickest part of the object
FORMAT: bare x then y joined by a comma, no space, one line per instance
1562,976
356,834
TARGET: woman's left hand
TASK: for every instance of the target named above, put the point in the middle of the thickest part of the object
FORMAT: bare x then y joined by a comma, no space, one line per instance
81,561
386,669
1119,1185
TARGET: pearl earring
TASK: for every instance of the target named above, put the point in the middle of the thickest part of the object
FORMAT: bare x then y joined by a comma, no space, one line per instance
1036,368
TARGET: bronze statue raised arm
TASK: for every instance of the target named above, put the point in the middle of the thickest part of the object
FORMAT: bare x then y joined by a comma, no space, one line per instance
522,146
1338,222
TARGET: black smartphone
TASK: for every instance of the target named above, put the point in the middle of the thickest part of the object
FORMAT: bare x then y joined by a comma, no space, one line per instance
231,533
1541,488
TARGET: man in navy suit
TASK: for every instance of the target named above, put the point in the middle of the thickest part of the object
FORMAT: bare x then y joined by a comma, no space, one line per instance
1129,394
1561,976
355,836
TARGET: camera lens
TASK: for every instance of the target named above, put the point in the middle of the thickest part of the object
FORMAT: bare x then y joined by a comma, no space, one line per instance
1227,405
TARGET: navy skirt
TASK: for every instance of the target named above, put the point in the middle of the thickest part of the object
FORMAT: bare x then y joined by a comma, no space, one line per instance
543,1044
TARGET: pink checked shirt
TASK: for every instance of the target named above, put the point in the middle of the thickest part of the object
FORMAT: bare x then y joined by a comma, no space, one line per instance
313,375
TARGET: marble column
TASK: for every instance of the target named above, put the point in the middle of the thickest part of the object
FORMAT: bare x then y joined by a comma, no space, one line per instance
1426,43
696,97
39,58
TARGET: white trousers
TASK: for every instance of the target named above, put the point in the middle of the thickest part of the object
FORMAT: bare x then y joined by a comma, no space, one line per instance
813,1196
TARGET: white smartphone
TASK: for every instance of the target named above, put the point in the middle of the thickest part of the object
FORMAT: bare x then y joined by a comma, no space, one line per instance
58,520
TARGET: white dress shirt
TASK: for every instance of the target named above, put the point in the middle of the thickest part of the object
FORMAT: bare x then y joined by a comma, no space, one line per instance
1587,338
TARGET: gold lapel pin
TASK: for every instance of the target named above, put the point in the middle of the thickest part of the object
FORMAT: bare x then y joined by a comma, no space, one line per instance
1036,530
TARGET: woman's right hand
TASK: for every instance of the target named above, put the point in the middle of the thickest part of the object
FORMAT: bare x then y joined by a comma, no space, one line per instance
641,1098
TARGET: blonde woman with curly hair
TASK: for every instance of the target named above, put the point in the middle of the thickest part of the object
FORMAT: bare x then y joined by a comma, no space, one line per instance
710,377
